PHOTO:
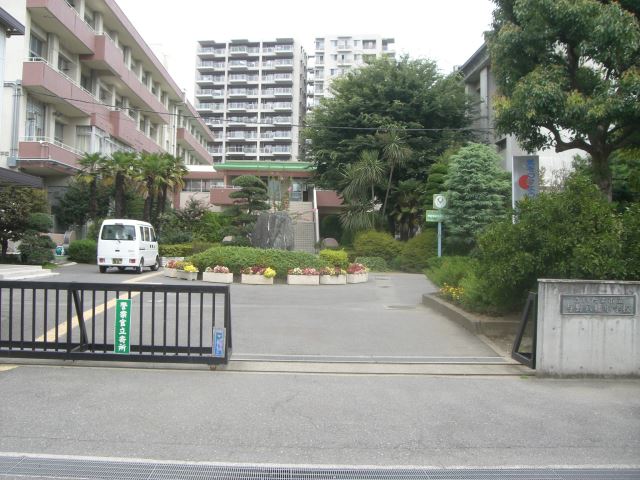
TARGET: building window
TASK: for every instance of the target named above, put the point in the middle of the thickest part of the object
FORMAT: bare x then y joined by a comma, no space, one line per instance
64,64
368,44
356,43
35,118
37,48
58,134
320,44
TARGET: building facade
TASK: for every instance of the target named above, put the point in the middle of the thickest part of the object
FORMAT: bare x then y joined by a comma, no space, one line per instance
480,84
251,94
336,55
82,80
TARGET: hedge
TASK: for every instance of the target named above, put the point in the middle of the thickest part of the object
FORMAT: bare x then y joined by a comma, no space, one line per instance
237,258
416,253
376,244
336,258
375,264
83,251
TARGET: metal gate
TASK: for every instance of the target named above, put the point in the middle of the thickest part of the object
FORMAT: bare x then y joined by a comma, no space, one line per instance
77,321
524,346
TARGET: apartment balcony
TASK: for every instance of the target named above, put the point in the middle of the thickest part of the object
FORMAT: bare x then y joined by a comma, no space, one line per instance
283,50
58,16
123,127
56,88
189,142
205,80
45,157
108,58
283,92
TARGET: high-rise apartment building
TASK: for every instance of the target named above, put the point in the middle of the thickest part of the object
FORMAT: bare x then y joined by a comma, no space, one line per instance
252,95
82,80
336,55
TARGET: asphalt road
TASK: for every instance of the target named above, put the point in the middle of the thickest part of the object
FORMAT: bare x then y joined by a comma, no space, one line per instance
319,419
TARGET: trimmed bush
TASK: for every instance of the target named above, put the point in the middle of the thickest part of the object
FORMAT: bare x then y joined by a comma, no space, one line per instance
36,249
237,258
335,258
417,251
450,270
375,264
83,251
40,222
175,250
376,244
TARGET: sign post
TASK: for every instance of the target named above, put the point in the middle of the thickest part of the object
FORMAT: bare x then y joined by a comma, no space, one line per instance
122,328
439,202
219,338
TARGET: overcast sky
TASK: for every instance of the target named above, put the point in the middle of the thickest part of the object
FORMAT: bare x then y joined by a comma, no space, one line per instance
447,31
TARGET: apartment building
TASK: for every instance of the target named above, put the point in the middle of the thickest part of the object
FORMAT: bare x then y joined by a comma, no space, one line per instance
336,55
81,80
251,94
480,84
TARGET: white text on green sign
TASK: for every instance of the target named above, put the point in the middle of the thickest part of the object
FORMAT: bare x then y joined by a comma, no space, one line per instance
435,216
121,343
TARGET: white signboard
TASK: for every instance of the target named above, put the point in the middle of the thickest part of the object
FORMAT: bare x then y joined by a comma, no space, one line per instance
439,201
525,177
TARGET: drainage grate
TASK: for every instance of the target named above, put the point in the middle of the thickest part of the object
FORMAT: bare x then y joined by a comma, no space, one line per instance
92,469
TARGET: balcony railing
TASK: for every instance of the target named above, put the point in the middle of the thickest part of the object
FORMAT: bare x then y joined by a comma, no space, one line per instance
55,142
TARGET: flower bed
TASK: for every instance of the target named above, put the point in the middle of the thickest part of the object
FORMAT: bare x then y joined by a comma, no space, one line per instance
357,273
217,274
303,276
187,272
333,276
257,275
170,269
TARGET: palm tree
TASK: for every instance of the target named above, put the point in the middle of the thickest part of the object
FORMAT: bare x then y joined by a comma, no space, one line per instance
92,164
408,201
118,169
396,152
359,181
152,167
171,178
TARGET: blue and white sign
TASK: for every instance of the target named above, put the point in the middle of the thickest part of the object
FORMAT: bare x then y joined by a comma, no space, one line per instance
219,340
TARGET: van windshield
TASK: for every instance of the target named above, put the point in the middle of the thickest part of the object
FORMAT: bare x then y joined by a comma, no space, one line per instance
118,232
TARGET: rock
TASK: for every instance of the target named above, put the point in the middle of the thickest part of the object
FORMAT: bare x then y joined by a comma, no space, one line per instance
273,230
330,243
227,239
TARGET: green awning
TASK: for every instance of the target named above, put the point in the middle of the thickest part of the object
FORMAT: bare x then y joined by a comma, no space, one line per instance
265,166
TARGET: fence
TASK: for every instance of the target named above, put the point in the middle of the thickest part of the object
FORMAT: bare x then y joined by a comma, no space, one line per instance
77,321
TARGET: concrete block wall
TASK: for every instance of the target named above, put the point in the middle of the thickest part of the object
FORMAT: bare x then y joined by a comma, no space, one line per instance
588,328
304,237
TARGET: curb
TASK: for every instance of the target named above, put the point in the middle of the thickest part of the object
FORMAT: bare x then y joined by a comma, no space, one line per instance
467,320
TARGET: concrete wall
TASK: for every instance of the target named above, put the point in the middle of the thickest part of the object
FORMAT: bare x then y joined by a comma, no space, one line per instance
588,328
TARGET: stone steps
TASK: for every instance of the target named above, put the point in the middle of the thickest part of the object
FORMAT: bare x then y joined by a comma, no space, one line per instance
24,272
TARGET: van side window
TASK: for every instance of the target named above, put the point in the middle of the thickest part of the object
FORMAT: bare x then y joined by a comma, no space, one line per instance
153,235
141,233
146,234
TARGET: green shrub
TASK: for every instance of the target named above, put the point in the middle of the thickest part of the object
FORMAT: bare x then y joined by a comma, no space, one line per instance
375,264
417,251
83,251
449,270
330,227
574,233
40,222
199,246
336,258
237,258
36,249
176,250
376,244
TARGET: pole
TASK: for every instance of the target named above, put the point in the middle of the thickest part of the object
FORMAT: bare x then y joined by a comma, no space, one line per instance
439,239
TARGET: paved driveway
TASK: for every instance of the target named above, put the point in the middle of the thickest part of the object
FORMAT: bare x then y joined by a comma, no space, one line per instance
381,320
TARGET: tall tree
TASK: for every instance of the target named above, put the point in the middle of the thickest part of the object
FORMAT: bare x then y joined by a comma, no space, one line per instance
407,94
91,164
250,199
478,194
119,169
569,75
151,168
172,178
408,201
396,153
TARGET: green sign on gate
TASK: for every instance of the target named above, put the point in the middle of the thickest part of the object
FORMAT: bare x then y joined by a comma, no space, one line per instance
121,342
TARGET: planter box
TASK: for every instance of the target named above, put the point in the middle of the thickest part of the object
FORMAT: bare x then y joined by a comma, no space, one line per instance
357,277
170,272
333,279
187,275
217,277
303,279
255,279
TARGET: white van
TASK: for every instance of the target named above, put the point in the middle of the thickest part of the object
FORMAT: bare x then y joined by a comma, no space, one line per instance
126,243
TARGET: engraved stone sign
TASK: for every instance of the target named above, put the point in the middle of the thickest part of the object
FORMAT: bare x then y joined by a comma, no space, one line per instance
612,305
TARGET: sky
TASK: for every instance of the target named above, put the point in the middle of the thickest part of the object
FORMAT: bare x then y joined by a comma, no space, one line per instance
446,31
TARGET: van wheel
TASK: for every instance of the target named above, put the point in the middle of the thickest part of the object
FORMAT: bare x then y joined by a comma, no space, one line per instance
140,267
103,269
156,265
